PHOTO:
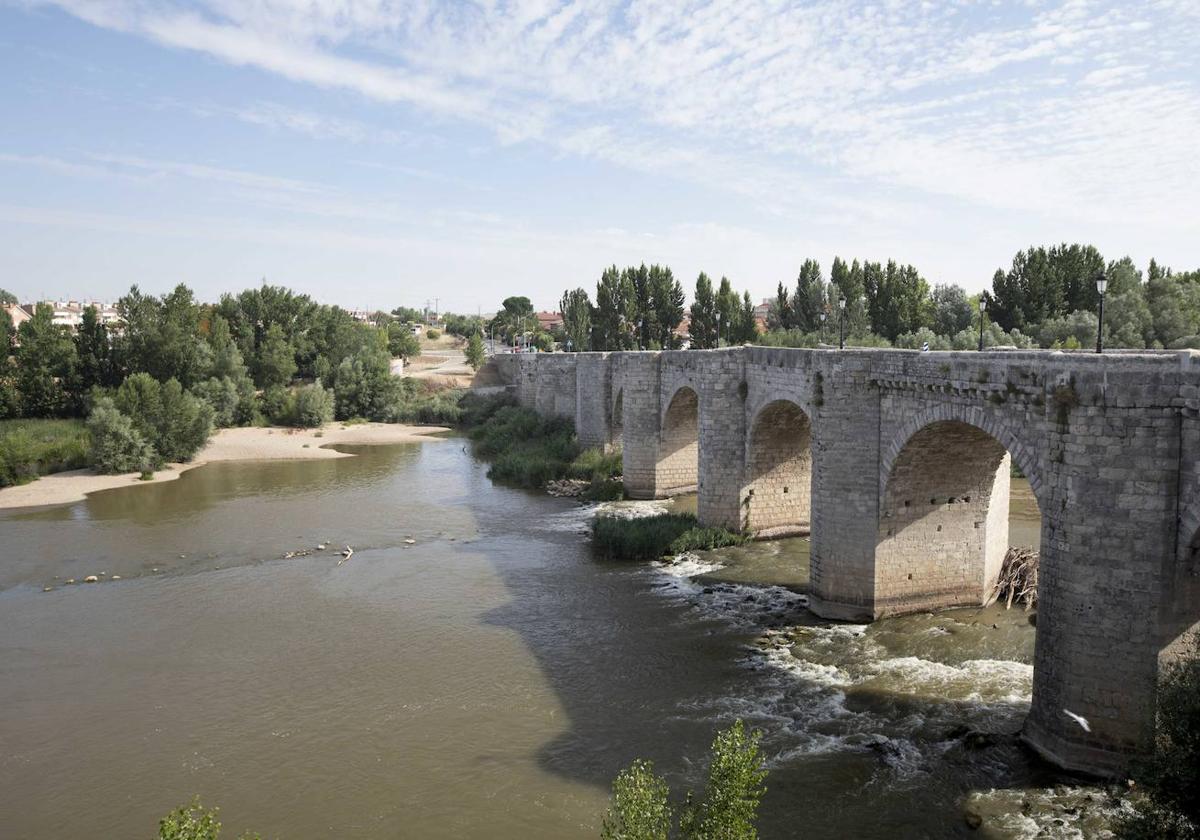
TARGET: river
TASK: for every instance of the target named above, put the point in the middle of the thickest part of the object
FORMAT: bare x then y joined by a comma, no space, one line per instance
486,679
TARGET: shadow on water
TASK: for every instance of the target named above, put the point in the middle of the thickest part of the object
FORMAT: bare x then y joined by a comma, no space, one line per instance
901,728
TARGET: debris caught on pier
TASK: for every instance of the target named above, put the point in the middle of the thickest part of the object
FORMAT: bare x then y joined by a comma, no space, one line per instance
1018,579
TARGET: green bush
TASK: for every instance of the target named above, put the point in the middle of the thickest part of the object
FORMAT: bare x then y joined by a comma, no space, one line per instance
232,400
32,448
176,423
727,810
117,447
433,335
595,463
193,822
275,403
651,537
310,406
527,450
419,401
1167,804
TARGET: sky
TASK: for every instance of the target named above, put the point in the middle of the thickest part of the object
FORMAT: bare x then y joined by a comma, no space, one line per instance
375,153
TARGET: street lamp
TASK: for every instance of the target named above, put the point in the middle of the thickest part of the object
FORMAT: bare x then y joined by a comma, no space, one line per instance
823,327
982,307
841,322
718,330
1101,286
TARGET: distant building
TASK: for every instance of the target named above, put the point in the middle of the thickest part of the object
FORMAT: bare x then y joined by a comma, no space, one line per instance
67,313
19,314
549,321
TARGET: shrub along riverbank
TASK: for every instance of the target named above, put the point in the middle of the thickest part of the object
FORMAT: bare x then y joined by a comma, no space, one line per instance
33,448
527,450
651,537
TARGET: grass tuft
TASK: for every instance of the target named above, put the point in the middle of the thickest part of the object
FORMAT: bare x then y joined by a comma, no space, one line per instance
32,448
651,537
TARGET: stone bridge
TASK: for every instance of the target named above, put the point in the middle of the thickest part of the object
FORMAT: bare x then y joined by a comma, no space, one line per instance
898,464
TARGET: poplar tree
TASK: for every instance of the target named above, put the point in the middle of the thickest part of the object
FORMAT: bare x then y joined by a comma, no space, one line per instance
576,309
809,299
668,298
703,328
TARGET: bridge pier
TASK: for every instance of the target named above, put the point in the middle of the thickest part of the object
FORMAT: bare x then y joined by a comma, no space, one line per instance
899,463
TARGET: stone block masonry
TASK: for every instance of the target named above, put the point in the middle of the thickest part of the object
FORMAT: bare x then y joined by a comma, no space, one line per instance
898,463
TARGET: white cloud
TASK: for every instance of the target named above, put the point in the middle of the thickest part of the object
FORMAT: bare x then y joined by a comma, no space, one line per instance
998,106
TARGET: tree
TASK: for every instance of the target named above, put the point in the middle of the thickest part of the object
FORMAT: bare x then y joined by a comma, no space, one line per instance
95,352
640,808
703,326
117,447
46,363
7,297
193,822
952,309
174,422
747,322
614,311
576,309
161,336
475,353
402,344
849,284
6,335
643,315
668,298
516,317
781,317
276,359
227,359
1044,283
1174,303
809,300
727,809
727,312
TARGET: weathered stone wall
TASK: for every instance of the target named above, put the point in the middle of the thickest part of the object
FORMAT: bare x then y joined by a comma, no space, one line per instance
779,470
943,523
678,466
1110,445
593,399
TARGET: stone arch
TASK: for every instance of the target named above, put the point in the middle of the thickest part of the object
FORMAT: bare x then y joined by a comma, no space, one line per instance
943,516
778,495
678,467
1022,455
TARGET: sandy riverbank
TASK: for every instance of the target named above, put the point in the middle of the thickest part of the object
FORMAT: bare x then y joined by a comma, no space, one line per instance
251,444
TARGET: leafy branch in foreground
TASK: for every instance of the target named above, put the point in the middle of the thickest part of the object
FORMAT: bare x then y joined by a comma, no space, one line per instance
641,810
194,822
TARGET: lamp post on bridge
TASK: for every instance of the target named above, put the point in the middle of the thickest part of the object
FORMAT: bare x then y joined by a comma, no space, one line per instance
982,307
823,316
1101,287
841,322
718,331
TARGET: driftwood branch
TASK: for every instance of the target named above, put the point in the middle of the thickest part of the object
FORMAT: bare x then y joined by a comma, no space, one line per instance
1018,579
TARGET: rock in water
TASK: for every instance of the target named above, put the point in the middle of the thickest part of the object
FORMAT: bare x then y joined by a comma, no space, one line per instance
91,579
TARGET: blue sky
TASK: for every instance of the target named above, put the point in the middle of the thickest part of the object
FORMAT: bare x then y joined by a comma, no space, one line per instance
377,153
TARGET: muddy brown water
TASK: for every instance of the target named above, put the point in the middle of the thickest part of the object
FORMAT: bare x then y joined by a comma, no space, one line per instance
487,680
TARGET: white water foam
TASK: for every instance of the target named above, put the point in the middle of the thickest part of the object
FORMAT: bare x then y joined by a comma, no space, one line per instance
810,670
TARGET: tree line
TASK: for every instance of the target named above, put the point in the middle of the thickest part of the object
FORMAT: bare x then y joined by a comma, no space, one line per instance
1048,298
155,384
643,307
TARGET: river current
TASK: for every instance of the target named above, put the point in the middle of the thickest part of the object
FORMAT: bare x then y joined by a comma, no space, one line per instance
472,671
